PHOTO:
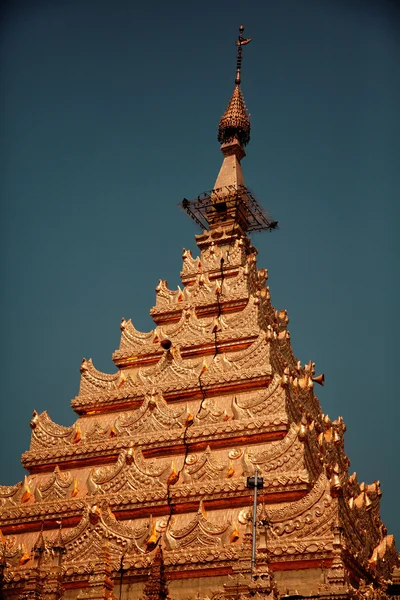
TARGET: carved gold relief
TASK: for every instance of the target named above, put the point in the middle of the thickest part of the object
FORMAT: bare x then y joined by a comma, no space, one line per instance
57,486
84,542
203,467
206,404
199,532
130,472
154,414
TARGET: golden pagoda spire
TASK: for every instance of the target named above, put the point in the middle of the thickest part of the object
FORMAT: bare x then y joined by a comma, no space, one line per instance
230,203
235,122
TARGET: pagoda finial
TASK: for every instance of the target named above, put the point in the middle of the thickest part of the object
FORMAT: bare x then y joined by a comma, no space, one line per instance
241,41
235,122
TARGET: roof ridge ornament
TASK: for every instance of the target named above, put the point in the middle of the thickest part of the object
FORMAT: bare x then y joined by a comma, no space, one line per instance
235,122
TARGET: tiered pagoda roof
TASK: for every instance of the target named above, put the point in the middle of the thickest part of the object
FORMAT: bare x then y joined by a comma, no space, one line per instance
146,494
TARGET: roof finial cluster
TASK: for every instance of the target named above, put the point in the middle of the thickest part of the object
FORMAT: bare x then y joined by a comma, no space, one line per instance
235,123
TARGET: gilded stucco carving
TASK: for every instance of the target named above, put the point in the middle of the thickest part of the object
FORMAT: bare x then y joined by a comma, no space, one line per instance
57,486
149,486
200,532
130,473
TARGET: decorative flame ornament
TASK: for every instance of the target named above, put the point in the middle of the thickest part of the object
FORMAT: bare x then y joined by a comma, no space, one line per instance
75,489
189,420
204,368
26,491
122,379
78,435
153,538
173,477
235,534
26,556
231,471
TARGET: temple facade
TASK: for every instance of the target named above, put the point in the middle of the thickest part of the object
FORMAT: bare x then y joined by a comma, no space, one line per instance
151,493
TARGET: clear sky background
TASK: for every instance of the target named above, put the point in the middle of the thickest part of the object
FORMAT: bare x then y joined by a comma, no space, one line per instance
109,112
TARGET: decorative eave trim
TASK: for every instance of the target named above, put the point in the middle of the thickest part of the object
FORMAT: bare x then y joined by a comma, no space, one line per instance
123,358
127,398
133,505
160,443
174,313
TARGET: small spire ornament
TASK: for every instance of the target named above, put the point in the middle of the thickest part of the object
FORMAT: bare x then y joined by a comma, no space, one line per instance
235,122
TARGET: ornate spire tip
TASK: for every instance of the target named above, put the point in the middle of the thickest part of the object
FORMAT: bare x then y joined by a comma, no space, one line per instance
235,123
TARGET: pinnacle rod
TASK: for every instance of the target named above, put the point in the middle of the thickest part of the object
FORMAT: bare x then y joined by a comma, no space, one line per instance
253,545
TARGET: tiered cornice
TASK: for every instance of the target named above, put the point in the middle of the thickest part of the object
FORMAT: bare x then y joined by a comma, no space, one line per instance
147,493
196,405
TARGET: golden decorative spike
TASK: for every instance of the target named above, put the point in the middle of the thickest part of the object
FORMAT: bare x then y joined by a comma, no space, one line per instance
235,534
303,431
153,538
94,514
328,434
189,420
202,509
75,489
368,502
204,368
217,326
336,485
121,380
34,421
130,455
78,435
26,491
174,476
303,382
26,556
285,377
231,470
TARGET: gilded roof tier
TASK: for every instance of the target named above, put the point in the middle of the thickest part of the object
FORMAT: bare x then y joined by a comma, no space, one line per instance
161,450
146,494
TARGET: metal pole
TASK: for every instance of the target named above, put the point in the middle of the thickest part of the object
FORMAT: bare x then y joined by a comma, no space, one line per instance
254,482
253,548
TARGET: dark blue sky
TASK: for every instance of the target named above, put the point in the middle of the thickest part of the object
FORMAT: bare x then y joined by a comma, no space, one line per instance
109,113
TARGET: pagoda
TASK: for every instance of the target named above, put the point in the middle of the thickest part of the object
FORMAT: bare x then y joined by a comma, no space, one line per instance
203,468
